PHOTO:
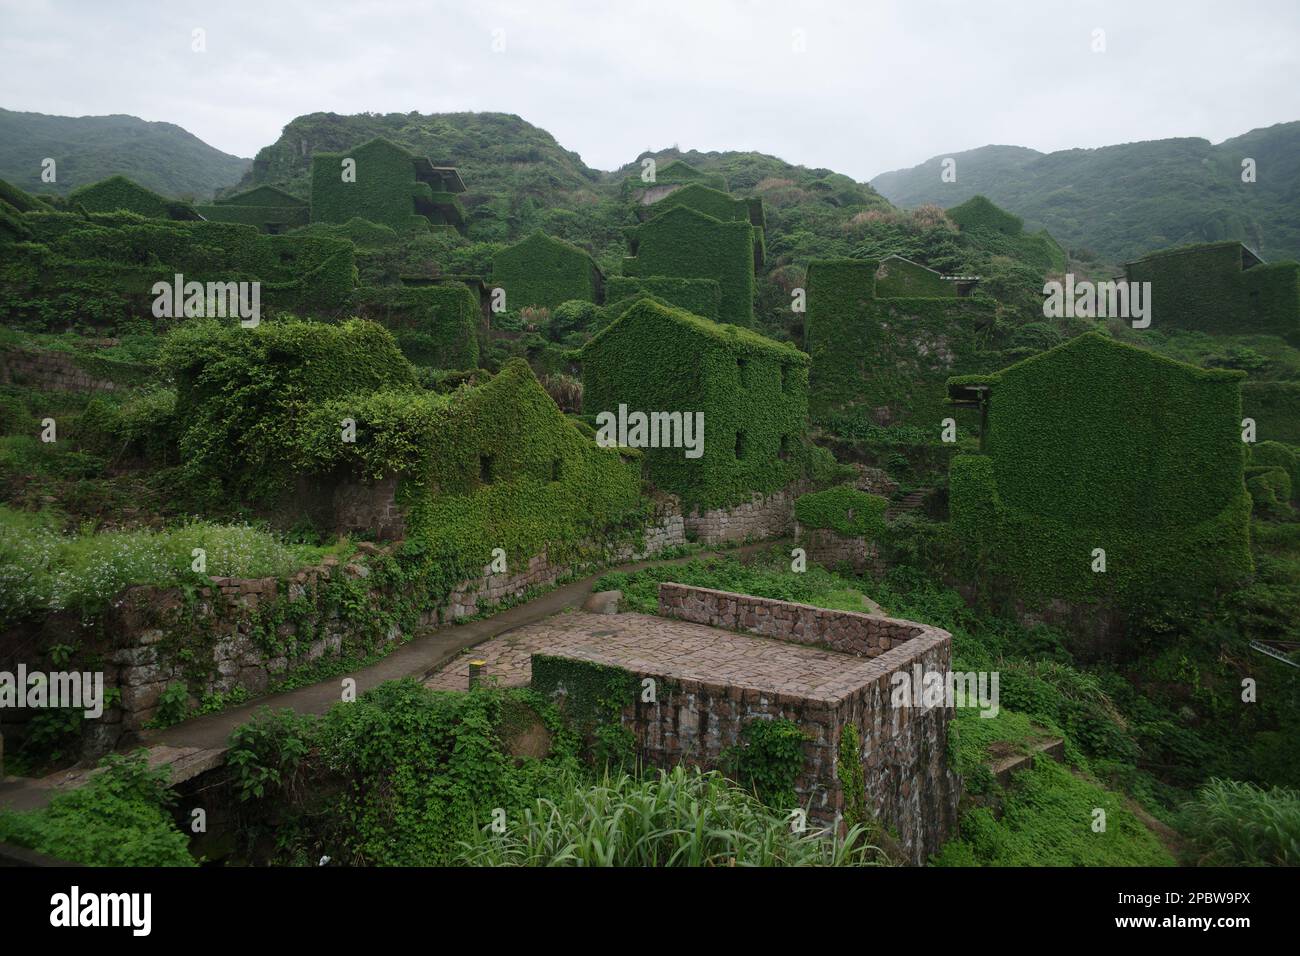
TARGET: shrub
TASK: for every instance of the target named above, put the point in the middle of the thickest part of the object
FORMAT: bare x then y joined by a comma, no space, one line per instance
120,817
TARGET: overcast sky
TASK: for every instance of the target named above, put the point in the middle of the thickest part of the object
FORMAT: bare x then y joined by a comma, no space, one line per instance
859,86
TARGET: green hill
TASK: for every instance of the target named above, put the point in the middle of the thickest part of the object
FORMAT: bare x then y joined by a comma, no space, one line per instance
1122,201
160,156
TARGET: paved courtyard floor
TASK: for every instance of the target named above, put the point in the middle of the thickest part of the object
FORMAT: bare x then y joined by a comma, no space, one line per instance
672,648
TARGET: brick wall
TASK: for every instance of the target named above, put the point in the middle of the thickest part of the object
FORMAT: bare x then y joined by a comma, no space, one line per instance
904,749
850,632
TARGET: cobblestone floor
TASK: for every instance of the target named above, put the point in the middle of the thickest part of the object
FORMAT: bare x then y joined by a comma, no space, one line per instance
671,648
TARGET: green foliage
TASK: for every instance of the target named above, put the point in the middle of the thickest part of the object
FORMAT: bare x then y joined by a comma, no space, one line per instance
42,569
848,768
1238,824
1046,820
435,326
1159,489
844,510
387,189
676,818
594,696
914,344
1205,287
979,212
101,273
687,244
751,390
576,315
1270,490
816,586
141,423
1275,406
712,202
119,817
1122,201
267,208
767,760
159,156
244,392
400,777
698,296
118,193
544,272
496,465
1276,454
900,278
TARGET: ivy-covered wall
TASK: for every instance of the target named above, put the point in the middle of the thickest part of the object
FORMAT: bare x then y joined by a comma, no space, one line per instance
493,466
688,244
753,393
1096,444
119,193
711,202
541,270
1275,406
100,271
978,212
1002,233
843,509
1205,288
697,296
435,325
386,190
897,278
892,356
268,208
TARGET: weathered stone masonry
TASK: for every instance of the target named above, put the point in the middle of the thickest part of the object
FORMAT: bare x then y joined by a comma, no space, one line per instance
904,750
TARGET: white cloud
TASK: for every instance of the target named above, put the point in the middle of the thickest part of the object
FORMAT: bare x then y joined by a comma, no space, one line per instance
881,84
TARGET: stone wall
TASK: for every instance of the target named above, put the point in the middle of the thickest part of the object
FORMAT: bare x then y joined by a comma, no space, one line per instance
239,635
849,632
763,516
49,371
369,506
666,530
904,749
830,549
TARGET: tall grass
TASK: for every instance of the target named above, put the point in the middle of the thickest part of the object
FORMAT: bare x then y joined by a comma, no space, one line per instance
44,569
1231,823
678,818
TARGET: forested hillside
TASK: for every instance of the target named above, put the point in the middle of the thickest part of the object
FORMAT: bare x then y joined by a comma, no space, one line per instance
86,149
1123,201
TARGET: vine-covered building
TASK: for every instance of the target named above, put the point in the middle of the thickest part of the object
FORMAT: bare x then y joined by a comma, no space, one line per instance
384,183
1106,472
752,392
542,271
1221,287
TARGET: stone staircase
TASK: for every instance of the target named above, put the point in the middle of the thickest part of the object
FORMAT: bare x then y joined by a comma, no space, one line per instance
909,502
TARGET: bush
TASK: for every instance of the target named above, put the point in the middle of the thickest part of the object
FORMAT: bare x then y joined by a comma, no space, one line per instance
120,817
